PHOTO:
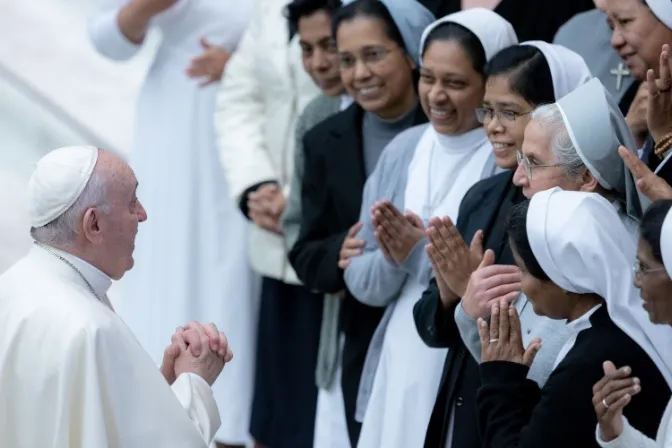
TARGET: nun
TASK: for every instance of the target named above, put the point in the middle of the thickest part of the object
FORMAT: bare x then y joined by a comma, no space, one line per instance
424,171
653,276
378,44
588,34
640,29
519,79
568,71
573,144
575,257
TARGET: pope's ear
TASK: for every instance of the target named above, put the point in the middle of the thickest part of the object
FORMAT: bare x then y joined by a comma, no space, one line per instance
588,182
91,228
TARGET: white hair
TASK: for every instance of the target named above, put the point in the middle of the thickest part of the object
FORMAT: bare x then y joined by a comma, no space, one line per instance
560,144
62,231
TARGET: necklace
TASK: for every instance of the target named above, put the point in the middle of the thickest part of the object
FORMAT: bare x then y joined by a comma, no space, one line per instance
46,248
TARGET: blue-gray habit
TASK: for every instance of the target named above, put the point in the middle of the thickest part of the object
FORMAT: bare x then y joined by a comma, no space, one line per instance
370,277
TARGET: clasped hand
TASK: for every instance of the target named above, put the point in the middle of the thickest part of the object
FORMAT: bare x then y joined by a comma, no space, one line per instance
265,207
196,348
502,340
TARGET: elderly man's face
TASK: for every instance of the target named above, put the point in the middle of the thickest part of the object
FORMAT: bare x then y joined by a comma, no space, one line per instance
119,223
538,169
637,36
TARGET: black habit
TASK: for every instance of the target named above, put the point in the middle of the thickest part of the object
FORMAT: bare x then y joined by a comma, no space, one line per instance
331,198
532,19
486,207
514,412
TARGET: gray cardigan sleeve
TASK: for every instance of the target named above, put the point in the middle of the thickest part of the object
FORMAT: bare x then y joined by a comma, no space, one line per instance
291,217
371,278
468,328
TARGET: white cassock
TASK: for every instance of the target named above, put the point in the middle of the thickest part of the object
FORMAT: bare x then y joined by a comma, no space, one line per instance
73,375
407,379
191,254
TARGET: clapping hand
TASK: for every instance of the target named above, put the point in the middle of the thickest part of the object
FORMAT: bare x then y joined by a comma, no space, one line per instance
502,340
450,255
651,185
636,117
196,348
659,113
610,395
265,207
490,284
395,232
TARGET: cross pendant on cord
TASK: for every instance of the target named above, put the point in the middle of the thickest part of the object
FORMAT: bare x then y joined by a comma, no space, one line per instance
620,72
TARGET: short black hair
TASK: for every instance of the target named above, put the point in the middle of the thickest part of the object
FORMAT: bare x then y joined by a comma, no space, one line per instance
651,226
466,38
516,227
373,9
299,9
528,72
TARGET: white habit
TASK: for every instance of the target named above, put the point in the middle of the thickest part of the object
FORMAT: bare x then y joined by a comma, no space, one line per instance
191,255
73,375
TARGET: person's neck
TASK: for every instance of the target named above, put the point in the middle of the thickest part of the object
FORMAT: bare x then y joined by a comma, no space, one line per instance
400,109
583,304
83,254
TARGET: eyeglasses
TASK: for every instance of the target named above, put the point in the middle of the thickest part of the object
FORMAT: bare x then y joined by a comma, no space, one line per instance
484,114
529,165
370,57
639,271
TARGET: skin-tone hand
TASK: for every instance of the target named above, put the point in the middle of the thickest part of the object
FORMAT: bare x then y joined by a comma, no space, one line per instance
651,185
616,389
659,115
398,233
351,246
455,260
490,284
208,365
502,340
210,64
265,207
382,245
134,17
217,343
637,115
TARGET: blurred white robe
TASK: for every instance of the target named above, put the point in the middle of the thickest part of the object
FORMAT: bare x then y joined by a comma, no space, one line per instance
73,375
191,254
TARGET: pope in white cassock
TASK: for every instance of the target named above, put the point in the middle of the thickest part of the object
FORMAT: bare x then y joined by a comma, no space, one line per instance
71,373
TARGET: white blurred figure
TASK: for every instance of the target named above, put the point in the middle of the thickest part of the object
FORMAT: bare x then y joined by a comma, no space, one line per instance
191,256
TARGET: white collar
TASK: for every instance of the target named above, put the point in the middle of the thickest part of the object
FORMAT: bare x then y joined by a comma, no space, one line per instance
346,101
583,322
98,280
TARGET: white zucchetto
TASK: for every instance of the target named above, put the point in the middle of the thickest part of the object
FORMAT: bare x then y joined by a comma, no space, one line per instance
57,182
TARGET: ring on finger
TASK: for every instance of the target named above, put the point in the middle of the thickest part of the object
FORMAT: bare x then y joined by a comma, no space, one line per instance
494,340
604,403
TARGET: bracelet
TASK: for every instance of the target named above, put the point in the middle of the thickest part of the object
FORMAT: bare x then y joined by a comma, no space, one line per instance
662,146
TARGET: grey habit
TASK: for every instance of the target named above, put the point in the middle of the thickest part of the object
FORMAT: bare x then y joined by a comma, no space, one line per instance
589,35
315,112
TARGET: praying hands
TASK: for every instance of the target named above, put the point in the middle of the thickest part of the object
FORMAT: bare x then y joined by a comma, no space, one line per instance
502,340
452,260
396,233
196,348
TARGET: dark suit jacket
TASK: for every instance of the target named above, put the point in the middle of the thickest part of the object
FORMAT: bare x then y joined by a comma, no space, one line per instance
532,19
331,198
652,160
514,412
486,207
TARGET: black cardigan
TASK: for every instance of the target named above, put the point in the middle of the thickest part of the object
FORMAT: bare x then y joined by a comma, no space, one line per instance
514,412
486,207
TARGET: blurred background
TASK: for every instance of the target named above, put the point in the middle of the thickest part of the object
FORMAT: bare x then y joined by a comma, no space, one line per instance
55,90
